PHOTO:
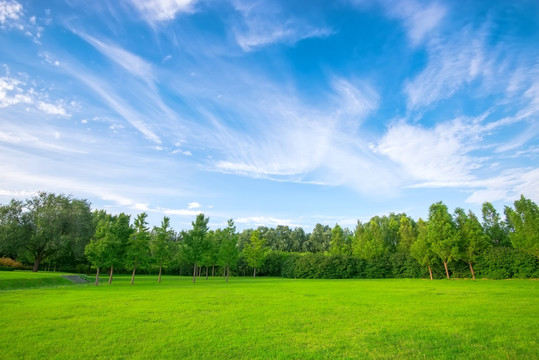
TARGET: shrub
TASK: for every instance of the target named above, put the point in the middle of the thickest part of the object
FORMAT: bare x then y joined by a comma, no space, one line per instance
10,263
504,263
288,270
273,263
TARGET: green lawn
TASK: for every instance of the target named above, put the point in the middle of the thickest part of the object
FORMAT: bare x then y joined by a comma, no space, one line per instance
271,318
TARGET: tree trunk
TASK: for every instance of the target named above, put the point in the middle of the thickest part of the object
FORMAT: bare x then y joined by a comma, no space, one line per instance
206,272
199,270
133,276
212,270
446,271
159,281
36,263
227,271
97,277
430,272
48,267
194,273
254,273
471,269
111,271
54,268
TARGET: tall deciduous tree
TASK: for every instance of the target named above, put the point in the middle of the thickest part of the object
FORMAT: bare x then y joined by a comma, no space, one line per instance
369,242
442,234
255,251
524,220
337,245
13,229
421,249
493,226
97,250
474,240
194,242
119,235
228,249
161,244
319,239
52,223
407,235
138,247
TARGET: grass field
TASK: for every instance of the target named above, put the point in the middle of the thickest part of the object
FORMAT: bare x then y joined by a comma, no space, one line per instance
269,318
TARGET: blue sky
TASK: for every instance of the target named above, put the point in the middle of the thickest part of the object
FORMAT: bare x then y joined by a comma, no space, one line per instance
270,112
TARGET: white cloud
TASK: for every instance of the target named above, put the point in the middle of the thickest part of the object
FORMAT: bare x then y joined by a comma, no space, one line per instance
117,103
507,187
264,221
438,154
264,25
12,92
52,109
10,10
49,58
193,205
130,62
178,212
452,63
162,10
419,19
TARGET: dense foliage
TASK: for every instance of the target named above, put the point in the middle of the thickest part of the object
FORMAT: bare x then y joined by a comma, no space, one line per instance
61,231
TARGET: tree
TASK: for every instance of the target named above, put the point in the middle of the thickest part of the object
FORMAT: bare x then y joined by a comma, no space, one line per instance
319,239
228,249
52,223
255,251
161,245
493,226
337,245
13,230
194,242
297,239
442,234
524,220
369,242
138,246
474,240
407,235
421,249
97,250
119,234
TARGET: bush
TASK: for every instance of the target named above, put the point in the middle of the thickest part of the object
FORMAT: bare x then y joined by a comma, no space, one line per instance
10,263
273,263
505,263
405,266
288,270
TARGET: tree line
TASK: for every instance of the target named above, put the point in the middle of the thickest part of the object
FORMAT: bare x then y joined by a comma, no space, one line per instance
62,231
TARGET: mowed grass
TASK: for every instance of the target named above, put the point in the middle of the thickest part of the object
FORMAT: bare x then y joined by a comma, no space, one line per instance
272,318
17,280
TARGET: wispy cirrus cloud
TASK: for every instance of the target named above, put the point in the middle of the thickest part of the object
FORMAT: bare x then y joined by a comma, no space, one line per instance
438,154
107,94
453,62
130,62
419,19
263,24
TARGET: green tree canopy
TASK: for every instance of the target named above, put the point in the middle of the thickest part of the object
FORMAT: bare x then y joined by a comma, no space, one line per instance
255,251
228,249
138,246
195,242
442,234
524,220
